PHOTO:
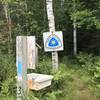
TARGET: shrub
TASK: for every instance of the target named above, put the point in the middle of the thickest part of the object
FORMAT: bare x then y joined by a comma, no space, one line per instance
7,74
44,66
91,64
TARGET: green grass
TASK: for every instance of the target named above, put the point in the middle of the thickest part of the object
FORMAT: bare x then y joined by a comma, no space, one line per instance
73,81
7,98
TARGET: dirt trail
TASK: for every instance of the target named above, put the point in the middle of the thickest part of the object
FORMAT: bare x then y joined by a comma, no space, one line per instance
80,91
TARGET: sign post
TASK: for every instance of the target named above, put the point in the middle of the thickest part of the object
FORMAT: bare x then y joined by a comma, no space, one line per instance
53,42
52,29
21,63
25,58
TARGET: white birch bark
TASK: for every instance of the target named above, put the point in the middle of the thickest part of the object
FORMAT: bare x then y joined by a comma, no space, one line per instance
8,19
74,30
50,14
75,37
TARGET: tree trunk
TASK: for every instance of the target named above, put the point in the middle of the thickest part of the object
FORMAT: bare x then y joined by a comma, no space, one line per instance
26,10
74,30
75,36
50,14
8,19
62,3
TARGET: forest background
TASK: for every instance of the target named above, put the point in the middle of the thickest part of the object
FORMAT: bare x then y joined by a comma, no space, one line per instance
78,77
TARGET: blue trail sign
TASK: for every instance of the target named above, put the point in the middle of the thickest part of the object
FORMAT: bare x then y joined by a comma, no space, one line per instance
53,41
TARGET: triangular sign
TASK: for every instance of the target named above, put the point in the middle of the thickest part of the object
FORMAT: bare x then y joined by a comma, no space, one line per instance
53,42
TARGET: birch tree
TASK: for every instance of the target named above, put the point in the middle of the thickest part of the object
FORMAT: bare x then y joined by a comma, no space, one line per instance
5,4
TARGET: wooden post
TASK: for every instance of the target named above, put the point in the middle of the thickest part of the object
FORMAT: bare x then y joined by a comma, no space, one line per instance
25,59
21,63
24,67
19,67
52,29
36,56
55,61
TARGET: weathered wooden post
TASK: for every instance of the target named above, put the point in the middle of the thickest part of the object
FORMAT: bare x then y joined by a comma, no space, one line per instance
52,29
21,63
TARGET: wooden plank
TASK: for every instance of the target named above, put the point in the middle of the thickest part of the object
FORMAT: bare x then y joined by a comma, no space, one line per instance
31,52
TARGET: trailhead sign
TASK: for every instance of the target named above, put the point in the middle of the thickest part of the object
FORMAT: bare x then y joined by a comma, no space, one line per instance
53,41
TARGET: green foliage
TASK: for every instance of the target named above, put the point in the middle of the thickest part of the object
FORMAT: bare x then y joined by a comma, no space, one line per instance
44,66
91,65
7,65
70,82
85,17
7,74
85,60
53,95
74,75
31,96
7,98
29,18
76,80
5,89
96,76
